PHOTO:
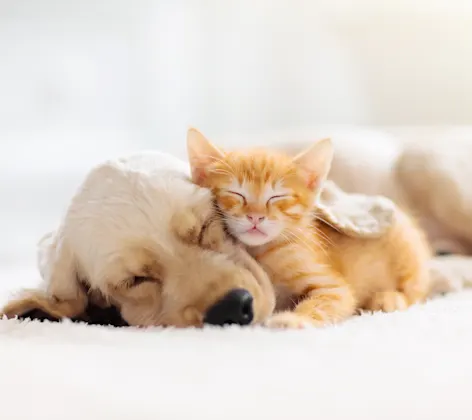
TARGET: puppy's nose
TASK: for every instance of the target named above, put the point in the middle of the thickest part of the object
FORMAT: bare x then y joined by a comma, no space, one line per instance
234,308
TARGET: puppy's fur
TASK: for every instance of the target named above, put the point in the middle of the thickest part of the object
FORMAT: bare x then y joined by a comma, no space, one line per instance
140,236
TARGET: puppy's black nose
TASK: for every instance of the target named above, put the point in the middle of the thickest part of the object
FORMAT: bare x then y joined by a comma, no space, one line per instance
234,308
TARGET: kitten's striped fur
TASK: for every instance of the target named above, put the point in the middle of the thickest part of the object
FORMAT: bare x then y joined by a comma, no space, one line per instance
321,275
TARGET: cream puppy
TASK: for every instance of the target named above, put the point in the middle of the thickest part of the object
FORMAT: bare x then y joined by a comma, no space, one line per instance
140,235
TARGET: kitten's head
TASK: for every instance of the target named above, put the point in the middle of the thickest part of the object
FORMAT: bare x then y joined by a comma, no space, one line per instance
261,194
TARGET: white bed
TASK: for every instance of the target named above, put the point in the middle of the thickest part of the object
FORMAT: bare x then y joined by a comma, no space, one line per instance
414,364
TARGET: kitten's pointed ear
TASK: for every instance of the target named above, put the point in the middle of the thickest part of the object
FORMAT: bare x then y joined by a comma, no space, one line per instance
201,153
315,162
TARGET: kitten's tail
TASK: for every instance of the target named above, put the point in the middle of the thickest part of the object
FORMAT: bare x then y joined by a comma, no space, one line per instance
450,273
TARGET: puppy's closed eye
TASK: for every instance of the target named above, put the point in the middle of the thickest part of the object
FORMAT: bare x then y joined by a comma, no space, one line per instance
149,272
137,280
134,281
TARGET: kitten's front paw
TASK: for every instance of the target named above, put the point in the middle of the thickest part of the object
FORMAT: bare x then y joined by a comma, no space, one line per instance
389,301
288,320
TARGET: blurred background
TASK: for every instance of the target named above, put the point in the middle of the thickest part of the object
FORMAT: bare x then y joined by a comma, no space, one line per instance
82,81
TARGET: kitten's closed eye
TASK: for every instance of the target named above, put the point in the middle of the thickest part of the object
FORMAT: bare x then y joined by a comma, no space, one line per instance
276,198
239,195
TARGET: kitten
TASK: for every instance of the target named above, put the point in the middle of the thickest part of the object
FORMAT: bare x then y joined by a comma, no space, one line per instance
322,276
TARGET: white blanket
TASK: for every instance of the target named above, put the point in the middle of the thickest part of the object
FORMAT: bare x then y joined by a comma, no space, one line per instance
410,365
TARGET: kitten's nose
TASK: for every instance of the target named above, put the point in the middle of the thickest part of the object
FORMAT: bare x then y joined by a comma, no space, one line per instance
236,307
255,218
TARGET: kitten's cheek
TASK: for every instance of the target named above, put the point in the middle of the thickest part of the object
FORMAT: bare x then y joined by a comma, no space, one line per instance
235,228
275,230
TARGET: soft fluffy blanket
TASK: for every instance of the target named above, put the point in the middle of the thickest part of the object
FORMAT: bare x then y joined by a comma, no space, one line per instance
410,365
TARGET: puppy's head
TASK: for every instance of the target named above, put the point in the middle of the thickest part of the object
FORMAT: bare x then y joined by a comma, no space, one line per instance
152,245
191,273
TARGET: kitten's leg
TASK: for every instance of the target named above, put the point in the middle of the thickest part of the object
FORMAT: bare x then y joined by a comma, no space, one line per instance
388,301
324,297
412,288
416,284
320,306
409,254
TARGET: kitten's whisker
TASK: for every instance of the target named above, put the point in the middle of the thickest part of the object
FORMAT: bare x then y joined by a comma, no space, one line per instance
287,238
323,239
311,243
323,235
320,218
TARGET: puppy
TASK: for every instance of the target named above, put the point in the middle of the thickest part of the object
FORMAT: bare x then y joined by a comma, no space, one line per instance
139,235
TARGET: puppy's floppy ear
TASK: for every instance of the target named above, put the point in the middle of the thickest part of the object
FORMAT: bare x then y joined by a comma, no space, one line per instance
355,215
201,153
315,163
38,302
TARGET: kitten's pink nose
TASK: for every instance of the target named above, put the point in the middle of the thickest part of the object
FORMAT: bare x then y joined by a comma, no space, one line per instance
255,218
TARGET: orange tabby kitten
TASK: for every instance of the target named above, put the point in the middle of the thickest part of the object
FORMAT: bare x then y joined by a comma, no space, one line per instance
321,276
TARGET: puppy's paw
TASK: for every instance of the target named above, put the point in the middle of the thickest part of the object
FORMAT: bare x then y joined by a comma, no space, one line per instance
289,320
187,225
389,301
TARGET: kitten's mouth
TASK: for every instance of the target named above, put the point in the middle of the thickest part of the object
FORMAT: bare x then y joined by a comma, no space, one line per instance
255,231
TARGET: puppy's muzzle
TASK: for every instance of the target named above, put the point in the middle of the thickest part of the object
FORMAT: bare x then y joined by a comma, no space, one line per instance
236,307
